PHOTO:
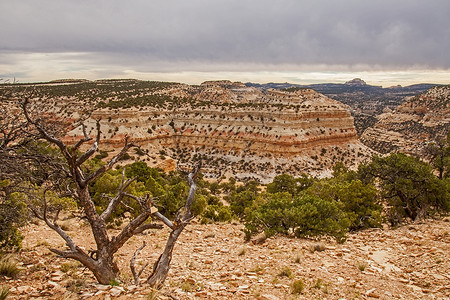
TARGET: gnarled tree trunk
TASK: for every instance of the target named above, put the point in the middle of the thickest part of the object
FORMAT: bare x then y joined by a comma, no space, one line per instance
162,265
101,260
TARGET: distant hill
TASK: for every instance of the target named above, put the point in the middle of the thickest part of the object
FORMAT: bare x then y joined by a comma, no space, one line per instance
366,101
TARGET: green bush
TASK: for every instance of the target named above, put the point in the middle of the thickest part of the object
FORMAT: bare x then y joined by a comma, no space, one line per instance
199,205
287,183
358,201
408,185
303,216
240,201
216,213
106,187
13,215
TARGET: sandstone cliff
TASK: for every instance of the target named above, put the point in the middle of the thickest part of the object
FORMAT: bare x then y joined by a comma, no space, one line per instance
236,130
418,120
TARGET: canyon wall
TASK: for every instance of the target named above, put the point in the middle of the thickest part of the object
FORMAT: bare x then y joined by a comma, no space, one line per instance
419,120
235,130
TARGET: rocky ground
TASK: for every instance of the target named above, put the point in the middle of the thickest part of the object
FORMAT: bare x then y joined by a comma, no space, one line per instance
214,262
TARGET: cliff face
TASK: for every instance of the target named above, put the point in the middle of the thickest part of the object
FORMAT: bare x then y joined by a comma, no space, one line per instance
418,120
366,101
236,130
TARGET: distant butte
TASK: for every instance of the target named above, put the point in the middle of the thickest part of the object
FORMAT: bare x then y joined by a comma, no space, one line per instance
356,82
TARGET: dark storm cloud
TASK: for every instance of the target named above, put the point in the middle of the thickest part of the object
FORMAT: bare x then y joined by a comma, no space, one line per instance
190,34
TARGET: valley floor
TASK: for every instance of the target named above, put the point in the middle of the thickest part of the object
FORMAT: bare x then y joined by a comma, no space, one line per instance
214,262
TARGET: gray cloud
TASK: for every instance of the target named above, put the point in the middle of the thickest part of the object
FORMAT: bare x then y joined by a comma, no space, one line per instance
171,35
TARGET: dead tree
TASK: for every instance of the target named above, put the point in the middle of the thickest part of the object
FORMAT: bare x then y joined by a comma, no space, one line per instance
162,265
101,260
183,217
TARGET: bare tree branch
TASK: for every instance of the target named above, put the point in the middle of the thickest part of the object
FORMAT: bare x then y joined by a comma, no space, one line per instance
111,163
114,202
93,148
136,275
83,140
162,265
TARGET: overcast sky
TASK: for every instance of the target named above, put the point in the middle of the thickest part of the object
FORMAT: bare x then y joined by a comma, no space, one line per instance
382,41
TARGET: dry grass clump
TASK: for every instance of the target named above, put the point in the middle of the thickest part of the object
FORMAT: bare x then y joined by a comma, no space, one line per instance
297,286
286,272
4,292
9,267
317,247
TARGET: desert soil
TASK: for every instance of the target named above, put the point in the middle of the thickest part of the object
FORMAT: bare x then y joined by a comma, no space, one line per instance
214,262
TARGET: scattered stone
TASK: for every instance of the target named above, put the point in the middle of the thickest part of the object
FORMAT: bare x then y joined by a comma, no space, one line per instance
52,284
102,287
25,289
268,297
86,295
390,267
243,287
371,293
115,291
216,286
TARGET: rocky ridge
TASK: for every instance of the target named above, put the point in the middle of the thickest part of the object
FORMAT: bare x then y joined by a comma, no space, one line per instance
414,123
366,101
238,130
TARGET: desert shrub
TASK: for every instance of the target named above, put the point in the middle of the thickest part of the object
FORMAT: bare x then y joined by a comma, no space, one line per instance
214,188
317,247
4,292
12,216
240,201
359,201
229,186
173,199
9,266
286,272
102,154
168,191
303,216
106,187
287,183
408,185
142,171
199,205
297,286
216,213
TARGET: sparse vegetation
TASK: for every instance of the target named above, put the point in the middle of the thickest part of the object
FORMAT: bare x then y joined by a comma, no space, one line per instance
297,286
318,284
4,292
12,217
362,266
286,272
9,266
317,247
296,206
298,258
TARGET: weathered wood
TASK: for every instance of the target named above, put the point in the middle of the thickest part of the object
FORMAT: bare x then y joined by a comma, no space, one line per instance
102,263
162,265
